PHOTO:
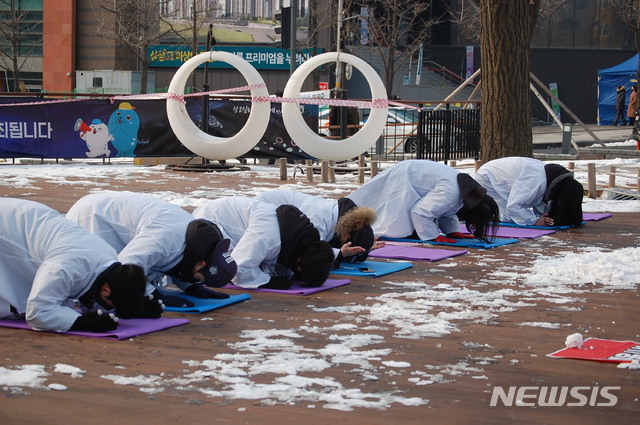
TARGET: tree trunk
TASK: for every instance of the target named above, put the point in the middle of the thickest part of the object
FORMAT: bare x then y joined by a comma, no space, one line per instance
144,77
389,74
505,65
16,73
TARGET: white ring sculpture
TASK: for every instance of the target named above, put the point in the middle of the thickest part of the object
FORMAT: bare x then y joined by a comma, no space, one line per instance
206,145
308,139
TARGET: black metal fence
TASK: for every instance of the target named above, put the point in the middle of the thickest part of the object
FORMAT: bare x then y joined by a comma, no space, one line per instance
449,134
410,133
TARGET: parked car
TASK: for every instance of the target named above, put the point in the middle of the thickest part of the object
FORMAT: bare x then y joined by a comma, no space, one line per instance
400,134
400,130
329,130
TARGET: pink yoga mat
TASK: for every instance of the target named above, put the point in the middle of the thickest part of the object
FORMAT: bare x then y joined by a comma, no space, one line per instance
127,328
414,253
297,289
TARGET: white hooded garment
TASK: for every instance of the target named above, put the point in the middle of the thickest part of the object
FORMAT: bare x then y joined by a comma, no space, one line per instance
517,184
143,229
47,262
413,195
252,227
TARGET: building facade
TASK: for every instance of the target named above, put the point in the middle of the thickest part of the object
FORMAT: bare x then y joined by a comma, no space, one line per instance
567,49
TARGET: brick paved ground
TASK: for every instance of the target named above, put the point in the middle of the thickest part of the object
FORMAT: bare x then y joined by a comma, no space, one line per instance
500,331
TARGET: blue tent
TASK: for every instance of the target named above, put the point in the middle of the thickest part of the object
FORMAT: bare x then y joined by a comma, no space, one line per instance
623,74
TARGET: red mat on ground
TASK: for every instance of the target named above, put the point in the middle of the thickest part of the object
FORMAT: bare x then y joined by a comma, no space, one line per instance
601,350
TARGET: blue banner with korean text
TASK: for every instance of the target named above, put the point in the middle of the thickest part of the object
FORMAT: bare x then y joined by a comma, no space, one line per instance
100,128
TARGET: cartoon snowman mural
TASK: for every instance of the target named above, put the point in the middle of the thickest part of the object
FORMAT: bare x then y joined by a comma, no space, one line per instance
124,124
96,135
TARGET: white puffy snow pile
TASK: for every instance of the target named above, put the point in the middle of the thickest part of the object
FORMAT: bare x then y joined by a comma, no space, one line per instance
619,268
573,341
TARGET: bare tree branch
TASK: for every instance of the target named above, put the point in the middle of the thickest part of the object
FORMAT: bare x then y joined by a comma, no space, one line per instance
467,18
628,11
15,28
396,30
133,24
188,30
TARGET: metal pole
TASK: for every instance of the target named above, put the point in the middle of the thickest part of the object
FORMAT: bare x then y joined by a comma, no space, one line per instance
566,138
338,45
339,26
338,93
205,86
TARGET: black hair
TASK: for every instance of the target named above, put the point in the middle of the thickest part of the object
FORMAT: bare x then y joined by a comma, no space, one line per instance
566,203
127,283
315,263
482,220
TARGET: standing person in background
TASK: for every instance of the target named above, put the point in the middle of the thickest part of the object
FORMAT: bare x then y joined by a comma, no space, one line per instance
633,105
621,96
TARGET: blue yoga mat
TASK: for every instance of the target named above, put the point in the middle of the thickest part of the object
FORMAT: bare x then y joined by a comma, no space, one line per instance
370,268
462,243
202,305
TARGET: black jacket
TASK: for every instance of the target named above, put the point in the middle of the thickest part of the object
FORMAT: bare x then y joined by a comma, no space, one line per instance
620,99
296,234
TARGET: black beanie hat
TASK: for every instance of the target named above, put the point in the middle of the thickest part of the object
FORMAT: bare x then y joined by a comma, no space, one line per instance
202,238
220,268
363,238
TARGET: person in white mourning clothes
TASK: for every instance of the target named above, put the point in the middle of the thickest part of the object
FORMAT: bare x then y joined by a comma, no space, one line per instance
60,277
530,192
422,199
273,246
342,223
163,238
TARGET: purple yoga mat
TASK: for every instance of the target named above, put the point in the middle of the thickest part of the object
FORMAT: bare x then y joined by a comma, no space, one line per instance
296,289
595,216
127,328
516,232
414,253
